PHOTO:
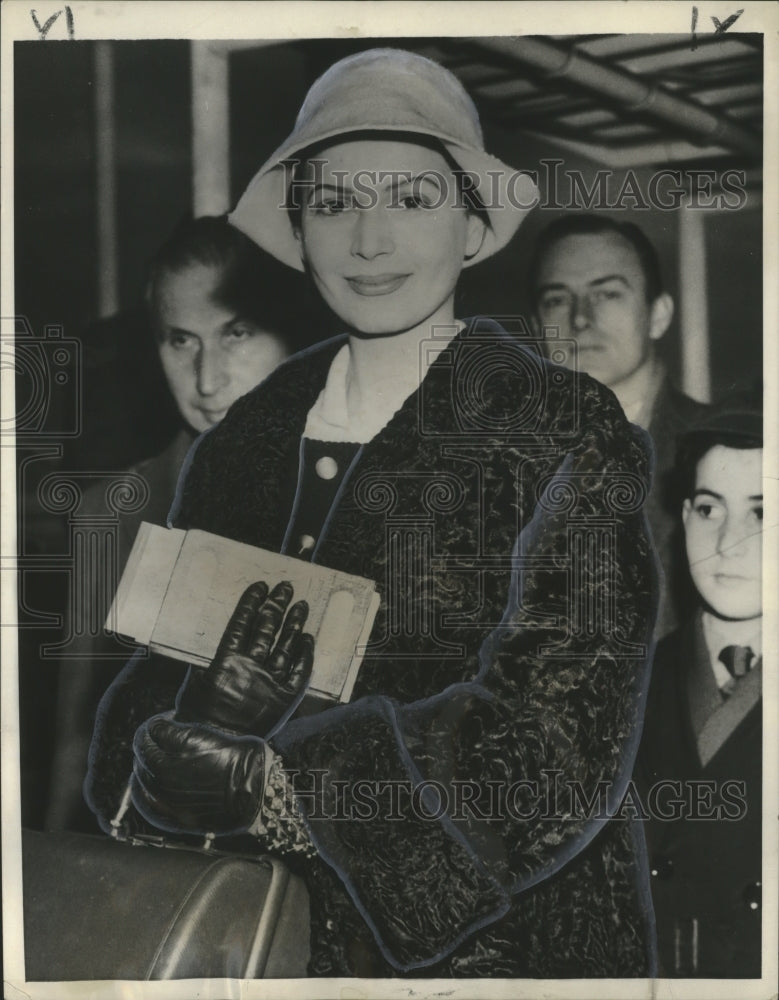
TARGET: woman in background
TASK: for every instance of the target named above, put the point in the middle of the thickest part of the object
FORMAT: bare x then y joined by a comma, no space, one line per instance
220,326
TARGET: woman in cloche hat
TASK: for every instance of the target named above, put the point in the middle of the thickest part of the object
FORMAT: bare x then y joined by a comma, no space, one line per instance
456,817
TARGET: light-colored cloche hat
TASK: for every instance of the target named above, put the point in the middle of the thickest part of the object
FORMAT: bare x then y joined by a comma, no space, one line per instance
395,91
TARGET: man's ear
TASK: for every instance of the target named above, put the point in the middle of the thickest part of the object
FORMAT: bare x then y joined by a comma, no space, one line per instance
686,510
660,315
477,230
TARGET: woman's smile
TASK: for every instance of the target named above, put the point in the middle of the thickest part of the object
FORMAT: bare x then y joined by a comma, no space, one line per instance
376,284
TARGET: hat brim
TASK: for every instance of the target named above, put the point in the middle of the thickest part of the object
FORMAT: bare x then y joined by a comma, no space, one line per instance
261,213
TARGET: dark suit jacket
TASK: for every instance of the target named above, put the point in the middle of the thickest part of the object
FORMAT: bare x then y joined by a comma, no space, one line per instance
705,872
673,413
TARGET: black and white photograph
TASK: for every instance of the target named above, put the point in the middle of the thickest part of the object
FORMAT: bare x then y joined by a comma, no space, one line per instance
385,586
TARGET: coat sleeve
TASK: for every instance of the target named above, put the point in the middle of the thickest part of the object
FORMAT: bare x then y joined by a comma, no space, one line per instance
435,813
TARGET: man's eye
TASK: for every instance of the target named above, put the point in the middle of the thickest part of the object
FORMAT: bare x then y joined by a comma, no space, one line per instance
607,294
558,301
757,513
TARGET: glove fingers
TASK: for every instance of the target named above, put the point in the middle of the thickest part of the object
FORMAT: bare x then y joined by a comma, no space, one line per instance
280,662
268,620
237,635
300,672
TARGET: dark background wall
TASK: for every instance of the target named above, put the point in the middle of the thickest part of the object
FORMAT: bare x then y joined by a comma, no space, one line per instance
57,270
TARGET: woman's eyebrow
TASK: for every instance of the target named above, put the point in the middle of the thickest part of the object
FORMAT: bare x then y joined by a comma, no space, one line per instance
387,179
322,186
704,491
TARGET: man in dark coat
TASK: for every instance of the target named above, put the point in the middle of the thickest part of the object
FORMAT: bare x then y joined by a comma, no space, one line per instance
700,757
598,283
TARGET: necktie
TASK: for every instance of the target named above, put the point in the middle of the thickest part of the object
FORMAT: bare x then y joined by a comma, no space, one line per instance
738,660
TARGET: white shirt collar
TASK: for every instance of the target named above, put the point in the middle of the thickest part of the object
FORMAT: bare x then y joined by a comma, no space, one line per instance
329,418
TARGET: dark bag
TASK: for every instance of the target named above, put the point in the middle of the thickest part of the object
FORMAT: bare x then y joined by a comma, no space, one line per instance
95,908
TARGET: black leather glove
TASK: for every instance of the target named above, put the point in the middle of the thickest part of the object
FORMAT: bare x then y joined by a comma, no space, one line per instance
188,778
252,684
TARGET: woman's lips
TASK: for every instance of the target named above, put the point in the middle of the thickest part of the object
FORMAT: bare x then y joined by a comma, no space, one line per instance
731,579
378,284
212,416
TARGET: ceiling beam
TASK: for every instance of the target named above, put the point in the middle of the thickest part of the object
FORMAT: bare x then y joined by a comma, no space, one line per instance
625,90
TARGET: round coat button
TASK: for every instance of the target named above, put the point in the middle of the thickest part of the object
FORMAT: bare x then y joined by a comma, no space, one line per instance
753,896
306,543
661,867
326,467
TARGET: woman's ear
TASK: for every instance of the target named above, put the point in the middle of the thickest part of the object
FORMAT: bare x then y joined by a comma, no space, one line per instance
477,230
686,508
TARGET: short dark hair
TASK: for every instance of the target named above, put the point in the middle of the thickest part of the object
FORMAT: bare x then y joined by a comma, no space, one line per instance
734,422
697,447
589,224
252,282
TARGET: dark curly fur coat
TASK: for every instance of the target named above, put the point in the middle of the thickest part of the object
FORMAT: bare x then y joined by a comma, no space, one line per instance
500,512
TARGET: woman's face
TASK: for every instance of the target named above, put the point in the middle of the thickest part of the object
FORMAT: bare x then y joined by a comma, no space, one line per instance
210,353
383,235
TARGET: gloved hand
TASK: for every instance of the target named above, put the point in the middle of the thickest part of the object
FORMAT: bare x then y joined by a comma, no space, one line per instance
252,684
188,778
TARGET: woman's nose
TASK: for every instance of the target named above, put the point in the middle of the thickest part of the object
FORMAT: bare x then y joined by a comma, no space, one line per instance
372,234
210,371
733,537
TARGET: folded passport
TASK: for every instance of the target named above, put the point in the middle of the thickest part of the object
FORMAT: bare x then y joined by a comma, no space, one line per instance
179,589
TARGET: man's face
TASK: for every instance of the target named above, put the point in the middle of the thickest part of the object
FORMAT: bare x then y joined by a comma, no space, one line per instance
210,353
723,523
592,288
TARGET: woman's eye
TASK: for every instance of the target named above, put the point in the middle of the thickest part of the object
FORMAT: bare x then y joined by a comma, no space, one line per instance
414,201
332,206
757,513
178,341
709,511
239,333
